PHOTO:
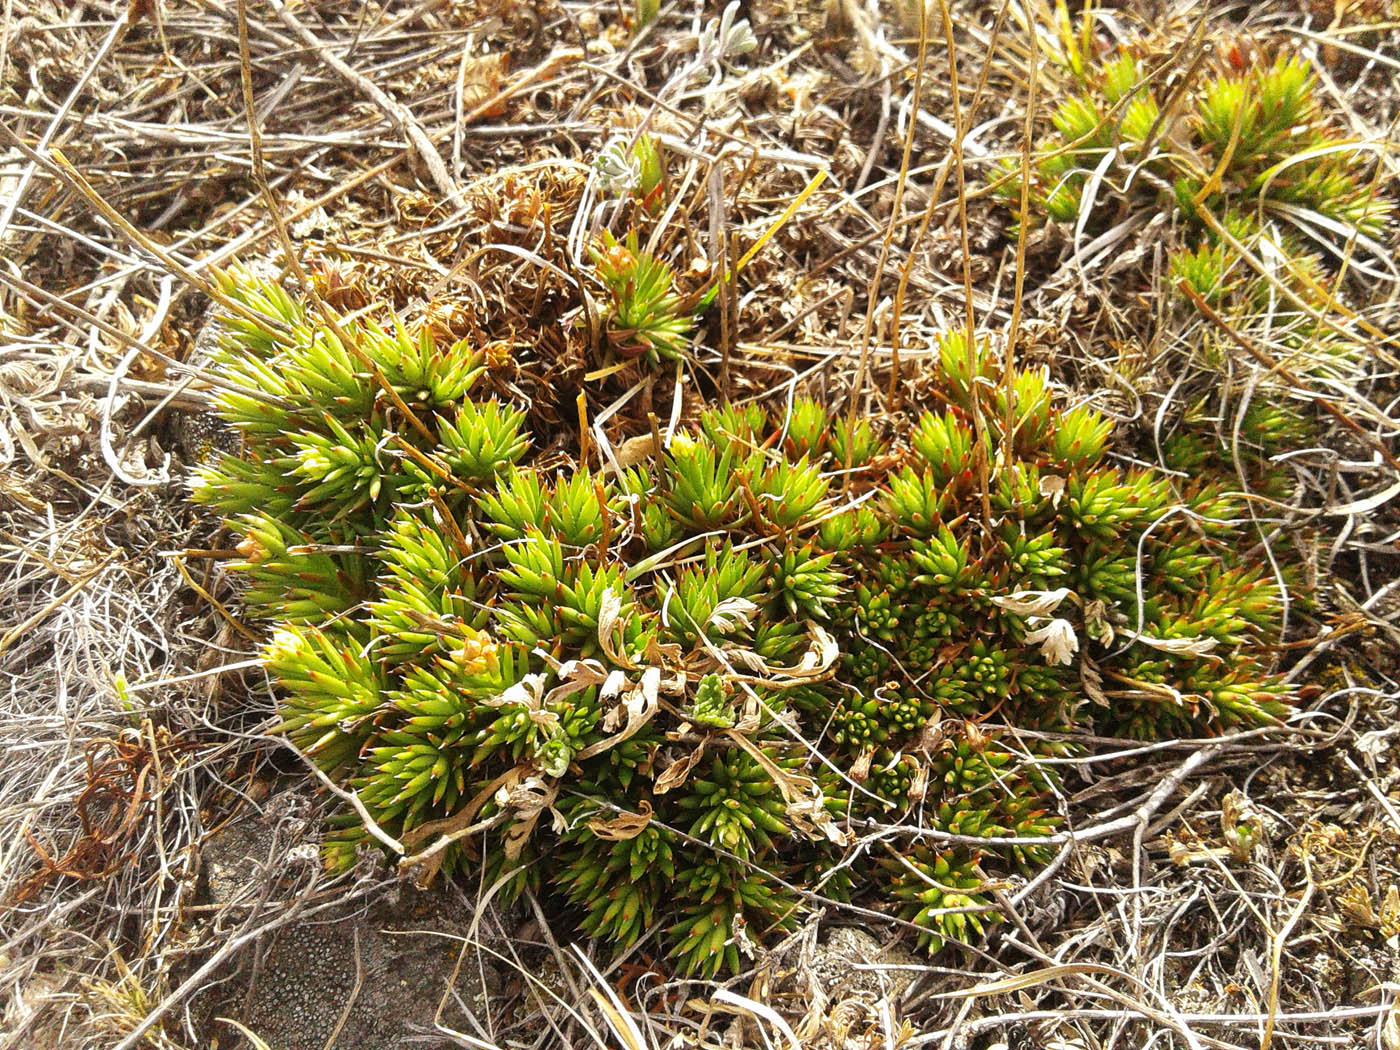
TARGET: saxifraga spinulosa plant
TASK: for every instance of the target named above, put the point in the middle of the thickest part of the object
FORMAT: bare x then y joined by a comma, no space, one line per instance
1254,135
679,694
1267,192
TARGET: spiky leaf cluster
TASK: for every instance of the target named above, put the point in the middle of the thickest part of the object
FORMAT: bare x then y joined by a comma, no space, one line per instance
1248,137
1259,182
677,695
647,317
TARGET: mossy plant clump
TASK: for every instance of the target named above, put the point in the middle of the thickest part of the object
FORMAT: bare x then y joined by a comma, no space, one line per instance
1269,216
1267,195
1253,136
679,693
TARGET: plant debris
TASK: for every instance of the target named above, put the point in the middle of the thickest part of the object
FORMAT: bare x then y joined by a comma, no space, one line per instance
818,198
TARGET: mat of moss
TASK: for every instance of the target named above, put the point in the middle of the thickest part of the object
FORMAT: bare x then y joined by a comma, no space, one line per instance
683,693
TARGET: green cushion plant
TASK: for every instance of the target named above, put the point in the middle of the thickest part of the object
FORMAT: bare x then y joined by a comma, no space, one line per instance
1265,193
680,693
1268,204
1249,138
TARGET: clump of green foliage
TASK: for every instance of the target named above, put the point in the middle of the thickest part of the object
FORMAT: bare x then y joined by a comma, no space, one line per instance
1262,187
680,693
1264,204
644,314
1250,139
647,317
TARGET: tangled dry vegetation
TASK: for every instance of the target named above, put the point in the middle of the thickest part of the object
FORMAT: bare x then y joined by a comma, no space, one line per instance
1167,225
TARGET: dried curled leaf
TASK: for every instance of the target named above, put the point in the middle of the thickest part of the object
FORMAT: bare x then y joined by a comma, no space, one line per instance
1198,646
1057,640
424,866
624,826
526,800
676,774
1032,603
806,805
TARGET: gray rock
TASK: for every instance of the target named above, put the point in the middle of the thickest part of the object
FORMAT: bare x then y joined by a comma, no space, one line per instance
851,963
408,957
383,965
